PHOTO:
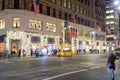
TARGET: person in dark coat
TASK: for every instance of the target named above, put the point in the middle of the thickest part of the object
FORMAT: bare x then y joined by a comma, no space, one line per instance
24,53
31,52
111,64
19,53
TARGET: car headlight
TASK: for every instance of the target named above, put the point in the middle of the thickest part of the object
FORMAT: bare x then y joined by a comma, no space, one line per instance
62,53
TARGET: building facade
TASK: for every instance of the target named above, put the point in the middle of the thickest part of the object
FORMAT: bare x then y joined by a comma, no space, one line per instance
112,22
21,29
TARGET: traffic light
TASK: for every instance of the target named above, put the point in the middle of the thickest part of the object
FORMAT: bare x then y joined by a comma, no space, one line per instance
66,24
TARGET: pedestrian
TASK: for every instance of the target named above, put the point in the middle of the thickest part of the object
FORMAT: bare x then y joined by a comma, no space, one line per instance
111,65
31,52
24,52
19,53
37,52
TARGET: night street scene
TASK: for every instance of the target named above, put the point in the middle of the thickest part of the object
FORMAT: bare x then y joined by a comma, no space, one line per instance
59,40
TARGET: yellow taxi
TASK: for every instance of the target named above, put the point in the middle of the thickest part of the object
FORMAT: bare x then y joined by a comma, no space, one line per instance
65,53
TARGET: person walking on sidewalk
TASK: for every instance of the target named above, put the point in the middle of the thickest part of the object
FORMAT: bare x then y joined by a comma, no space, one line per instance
111,64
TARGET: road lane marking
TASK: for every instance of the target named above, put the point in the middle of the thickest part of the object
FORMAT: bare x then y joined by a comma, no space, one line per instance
68,73
27,72
9,62
40,78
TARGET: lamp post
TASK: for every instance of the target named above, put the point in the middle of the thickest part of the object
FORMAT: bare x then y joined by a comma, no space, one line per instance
92,34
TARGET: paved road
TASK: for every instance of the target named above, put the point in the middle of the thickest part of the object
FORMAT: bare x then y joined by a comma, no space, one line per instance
78,67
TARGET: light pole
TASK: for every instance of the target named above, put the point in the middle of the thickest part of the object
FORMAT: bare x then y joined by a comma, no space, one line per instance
92,34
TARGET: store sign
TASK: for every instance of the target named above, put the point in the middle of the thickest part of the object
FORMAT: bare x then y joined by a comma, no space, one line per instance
35,39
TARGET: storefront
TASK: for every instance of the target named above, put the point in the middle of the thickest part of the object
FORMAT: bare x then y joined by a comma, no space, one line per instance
16,40
2,45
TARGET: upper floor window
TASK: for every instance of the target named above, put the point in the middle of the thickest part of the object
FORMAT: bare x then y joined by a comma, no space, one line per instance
81,1
50,27
110,16
35,24
110,22
60,2
78,8
86,2
54,1
3,4
16,22
2,23
109,11
73,6
65,3
60,14
85,12
65,16
16,4
48,10
81,10
54,12
69,5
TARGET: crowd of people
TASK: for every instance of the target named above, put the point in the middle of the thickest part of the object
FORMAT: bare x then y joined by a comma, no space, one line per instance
33,52
43,52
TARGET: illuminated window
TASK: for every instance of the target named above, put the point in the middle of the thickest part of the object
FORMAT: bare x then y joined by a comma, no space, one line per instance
50,27
110,11
81,10
78,9
111,22
87,34
60,2
39,25
80,32
54,1
107,6
35,24
2,23
65,3
16,22
69,5
108,17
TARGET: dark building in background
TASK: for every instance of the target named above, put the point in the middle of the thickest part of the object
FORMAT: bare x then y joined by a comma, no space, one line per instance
112,22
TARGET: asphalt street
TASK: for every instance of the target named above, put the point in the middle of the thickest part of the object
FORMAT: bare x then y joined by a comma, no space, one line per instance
77,67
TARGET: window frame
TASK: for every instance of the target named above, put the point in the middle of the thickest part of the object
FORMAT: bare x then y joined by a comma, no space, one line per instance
16,22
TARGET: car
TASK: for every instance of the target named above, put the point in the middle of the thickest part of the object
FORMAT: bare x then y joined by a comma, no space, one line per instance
65,53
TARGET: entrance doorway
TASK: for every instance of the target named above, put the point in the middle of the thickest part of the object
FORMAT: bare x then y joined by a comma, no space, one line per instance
15,46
